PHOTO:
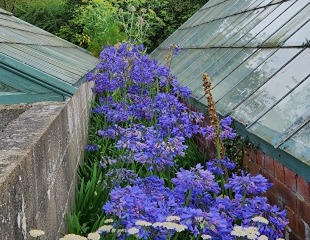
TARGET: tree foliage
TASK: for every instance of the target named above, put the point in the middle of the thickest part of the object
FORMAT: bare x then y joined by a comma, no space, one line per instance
95,23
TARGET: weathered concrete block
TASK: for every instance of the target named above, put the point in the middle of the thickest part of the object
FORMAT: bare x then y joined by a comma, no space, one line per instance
40,151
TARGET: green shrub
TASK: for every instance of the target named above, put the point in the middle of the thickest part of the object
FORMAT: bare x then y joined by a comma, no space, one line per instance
48,14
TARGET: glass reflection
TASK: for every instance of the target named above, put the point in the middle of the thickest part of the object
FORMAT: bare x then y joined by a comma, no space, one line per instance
275,89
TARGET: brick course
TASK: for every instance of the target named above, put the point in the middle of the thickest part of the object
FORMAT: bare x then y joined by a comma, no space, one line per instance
290,191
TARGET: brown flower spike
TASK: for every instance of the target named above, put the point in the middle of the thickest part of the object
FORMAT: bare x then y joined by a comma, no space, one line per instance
215,123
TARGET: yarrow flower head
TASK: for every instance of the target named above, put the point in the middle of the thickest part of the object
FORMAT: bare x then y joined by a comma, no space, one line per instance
36,233
73,237
260,219
173,218
105,228
133,231
93,236
143,223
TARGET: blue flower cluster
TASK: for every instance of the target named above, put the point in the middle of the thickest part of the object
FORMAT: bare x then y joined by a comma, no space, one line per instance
142,115
196,200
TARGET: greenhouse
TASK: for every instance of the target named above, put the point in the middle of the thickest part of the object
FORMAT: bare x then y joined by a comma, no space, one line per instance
37,66
257,55
206,137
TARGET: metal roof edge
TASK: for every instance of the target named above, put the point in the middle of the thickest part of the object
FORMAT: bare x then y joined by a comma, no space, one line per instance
279,155
38,77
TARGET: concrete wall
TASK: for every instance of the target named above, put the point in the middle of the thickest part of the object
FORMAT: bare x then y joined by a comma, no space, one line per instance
40,151
10,112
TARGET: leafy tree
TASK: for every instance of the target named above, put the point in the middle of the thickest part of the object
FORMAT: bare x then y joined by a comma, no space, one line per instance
93,25
48,14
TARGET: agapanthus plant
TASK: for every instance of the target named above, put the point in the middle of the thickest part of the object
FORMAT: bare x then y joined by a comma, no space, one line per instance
144,127
197,200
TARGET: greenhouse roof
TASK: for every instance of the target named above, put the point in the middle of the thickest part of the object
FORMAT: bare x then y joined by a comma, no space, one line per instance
36,65
257,55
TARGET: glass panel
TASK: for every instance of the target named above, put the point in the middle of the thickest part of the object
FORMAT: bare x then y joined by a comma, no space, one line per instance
289,28
156,53
161,57
46,67
217,31
177,60
227,64
206,32
274,90
279,23
205,15
254,80
7,88
264,3
300,37
286,117
263,24
188,37
277,1
234,28
184,60
222,11
250,25
176,35
66,66
230,8
7,22
240,73
299,144
193,19
214,3
253,4
224,67
209,58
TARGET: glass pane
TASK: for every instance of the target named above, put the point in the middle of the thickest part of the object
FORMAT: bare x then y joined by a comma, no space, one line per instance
240,73
206,32
172,38
43,66
224,66
263,24
233,8
300,37
274,90
255,79
254,4
277,1
210,4
289,28
250,25
282,22
193,19
238,25
264,3
188,37
299,144
210,57
161,57
7,88
287,116
184,60
176,60
207,15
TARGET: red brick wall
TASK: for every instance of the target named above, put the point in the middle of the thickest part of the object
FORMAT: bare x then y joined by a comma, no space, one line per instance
290,191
